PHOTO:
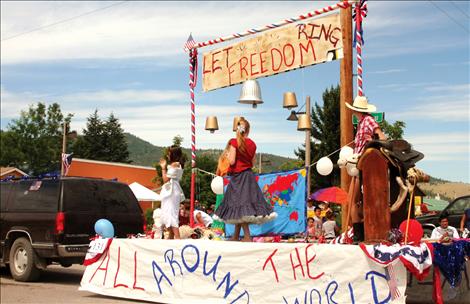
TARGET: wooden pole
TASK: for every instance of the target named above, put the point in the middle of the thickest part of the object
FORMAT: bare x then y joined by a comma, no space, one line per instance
64,143
346,89
307,146
260,163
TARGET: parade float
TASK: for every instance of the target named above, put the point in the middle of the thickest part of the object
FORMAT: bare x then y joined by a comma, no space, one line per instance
291,271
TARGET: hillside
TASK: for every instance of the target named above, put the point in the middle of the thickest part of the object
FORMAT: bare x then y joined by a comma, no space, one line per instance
144,153
446,190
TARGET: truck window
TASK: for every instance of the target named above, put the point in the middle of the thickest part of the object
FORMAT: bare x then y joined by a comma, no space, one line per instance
98,195
35,196
4,193
459,206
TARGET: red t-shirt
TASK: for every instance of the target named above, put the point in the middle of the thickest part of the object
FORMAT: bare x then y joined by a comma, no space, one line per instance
243,160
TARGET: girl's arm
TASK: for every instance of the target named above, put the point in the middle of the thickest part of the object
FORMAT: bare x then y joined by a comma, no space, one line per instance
232,154
462,221
163,166
380,134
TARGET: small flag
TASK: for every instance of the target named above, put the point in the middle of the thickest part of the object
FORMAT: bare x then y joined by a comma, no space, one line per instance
359,13
66,162
190,43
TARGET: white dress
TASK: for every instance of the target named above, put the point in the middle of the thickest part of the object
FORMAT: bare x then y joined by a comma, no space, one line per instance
172,195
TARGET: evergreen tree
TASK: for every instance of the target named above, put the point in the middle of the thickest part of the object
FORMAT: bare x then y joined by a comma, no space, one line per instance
325,137
33,143
116,145
102,140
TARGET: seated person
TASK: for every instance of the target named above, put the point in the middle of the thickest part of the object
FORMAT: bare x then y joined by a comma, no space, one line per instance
330,229
184,213
202,218
444,231
310,233
310,209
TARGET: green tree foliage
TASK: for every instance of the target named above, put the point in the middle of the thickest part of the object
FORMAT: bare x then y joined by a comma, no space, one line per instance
203,192
33,143
393,131
325,137
102,140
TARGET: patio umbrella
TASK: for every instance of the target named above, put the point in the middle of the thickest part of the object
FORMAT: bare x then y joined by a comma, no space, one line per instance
331,194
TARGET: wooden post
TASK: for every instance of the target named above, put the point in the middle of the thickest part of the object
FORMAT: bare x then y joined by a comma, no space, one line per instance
260,163
346,96
376,195
64,143
307,145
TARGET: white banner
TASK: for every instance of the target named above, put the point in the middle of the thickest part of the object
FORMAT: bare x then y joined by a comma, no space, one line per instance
200,271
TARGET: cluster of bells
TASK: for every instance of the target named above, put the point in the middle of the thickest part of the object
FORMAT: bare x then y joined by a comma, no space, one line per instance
251,94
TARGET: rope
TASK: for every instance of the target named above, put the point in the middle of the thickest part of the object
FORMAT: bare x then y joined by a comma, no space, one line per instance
333,152
206,172
342,4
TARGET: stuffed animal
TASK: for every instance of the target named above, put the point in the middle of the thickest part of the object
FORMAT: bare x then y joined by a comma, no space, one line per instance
157,224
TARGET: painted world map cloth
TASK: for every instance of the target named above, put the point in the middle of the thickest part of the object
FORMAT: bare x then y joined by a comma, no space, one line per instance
285,191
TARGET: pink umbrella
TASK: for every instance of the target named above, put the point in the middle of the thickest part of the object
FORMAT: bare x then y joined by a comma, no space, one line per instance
331,194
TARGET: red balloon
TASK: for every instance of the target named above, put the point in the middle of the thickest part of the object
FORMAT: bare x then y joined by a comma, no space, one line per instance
415,231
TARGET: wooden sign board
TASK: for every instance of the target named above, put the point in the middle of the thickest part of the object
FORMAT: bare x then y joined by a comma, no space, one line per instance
276,51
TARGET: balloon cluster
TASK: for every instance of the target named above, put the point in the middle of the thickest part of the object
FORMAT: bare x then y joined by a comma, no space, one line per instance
104,228
348,159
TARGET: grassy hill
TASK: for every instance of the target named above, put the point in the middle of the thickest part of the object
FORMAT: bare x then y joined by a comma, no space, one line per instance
144,153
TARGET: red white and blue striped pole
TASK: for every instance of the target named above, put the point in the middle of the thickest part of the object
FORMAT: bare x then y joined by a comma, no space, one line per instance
360,14
192,84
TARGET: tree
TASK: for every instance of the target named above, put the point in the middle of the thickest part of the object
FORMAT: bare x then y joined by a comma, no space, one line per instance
116,145
33,143
325,137
393,131
102,140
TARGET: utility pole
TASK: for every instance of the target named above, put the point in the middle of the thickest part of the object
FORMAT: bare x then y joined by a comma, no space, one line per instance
307,145
64,143
260,162
346,64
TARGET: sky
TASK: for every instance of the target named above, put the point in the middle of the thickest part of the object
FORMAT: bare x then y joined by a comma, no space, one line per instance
127,58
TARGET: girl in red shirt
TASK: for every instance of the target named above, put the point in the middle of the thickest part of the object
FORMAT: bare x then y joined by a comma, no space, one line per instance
243,202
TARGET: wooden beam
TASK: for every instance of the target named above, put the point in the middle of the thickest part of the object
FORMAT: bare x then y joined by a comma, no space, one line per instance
346,88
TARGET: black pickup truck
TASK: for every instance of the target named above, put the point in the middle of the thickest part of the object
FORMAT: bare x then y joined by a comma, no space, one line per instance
51,220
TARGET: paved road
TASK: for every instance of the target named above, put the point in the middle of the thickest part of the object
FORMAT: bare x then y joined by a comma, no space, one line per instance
57,285
60,285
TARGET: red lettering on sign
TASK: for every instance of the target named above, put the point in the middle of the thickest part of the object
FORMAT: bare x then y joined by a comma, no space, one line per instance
252,65
294,266
285,55
262,61
312,30
243,66
308,261
270,259
230,72
334,39
135,273
301,28
204,66
117,271
107,256
227,49
215,68
272,59
305,49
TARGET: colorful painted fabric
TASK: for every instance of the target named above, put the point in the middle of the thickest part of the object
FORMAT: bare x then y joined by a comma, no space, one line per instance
451,259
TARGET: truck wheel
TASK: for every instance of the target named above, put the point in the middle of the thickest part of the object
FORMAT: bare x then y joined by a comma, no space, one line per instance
22,261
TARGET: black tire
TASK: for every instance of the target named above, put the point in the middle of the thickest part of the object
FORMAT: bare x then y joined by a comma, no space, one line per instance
23,261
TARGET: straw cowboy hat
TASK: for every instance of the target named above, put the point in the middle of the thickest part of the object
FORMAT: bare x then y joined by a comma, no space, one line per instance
361,104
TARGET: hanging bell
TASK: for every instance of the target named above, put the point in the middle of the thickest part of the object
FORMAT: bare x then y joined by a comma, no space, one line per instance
289,101
292,116
304,123
250,93
211,124
236,119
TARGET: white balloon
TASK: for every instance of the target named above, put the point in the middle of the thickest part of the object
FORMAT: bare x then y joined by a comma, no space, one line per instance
324,166
217,185
352,169
342,162
346,152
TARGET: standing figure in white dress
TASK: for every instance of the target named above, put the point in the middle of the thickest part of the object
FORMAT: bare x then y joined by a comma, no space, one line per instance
172,194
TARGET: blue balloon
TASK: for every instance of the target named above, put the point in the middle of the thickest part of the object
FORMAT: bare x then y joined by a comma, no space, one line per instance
104,228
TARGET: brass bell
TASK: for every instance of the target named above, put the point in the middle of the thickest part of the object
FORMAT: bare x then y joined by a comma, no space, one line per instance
211,123
292,116
250,93
304,123
236,119
289,101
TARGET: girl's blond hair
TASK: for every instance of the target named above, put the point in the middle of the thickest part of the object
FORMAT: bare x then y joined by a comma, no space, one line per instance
242,129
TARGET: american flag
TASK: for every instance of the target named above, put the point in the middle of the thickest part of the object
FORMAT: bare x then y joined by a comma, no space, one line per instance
190,43
66,162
